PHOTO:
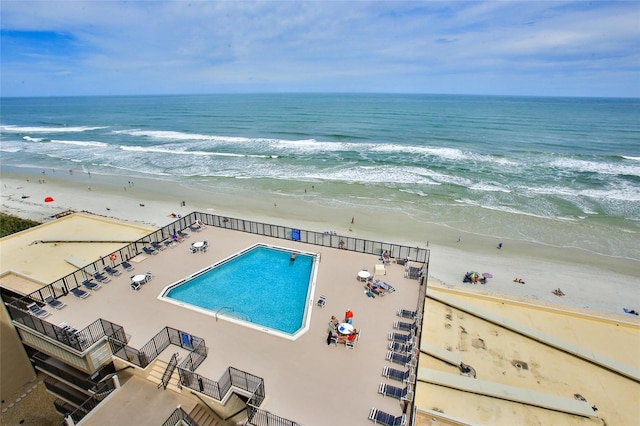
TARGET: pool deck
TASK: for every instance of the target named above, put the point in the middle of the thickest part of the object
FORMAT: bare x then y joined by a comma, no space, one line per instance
306,380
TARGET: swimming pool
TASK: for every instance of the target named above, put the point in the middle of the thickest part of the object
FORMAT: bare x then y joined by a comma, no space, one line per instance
261,287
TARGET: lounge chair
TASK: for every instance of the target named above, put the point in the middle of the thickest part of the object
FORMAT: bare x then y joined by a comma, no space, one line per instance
398,375
78,292
169,243
54,303
150,251
386,287
407,314
322,300
37,311
404,326
400,337
401,347
102,278
398,358
195,228
183,234
395,392
91,285
157,246
111,271
126,265
386,419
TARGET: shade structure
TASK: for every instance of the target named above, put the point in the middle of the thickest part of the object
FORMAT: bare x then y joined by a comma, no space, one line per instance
48,199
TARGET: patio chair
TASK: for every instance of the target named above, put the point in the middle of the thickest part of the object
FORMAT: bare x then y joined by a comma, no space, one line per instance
126,265
169,243
406,313
398,358
111,271
37,311
78,292
54,303
102,278
183,234
394,392
91,285
322,300
135,286
398,375
195,228
386,419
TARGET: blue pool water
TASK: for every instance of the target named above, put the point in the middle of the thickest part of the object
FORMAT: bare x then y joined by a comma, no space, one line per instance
261,286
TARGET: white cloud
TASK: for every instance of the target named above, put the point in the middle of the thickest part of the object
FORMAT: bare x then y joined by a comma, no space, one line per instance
190,47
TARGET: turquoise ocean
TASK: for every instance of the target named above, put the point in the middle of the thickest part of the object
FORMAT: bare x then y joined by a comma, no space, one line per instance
564,172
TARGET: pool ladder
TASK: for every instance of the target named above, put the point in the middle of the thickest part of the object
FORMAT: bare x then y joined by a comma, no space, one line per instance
241,316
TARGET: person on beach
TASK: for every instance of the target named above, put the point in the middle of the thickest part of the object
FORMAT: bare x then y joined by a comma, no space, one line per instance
499,245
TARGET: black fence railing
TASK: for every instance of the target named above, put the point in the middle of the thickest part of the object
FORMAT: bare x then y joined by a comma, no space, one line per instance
103,390
179,415
63,373
153,348
64,285
79,340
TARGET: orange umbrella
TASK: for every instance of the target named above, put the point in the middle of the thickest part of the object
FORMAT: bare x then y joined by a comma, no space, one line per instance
48,199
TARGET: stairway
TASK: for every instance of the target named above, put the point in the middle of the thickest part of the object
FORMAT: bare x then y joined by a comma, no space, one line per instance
157,370
202,416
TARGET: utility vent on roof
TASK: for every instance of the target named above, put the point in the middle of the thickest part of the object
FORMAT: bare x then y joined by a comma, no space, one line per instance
520,365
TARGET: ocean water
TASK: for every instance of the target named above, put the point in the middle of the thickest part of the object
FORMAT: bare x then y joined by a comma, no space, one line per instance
558,171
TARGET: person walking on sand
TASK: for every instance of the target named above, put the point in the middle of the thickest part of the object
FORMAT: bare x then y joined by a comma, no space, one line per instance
499,245
353,219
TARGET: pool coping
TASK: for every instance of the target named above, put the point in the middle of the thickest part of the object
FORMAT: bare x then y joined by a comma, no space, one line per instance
309,300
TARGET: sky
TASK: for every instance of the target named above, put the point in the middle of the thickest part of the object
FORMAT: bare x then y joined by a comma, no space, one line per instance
543,48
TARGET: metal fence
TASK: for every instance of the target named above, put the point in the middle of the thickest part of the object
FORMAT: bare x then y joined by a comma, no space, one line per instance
64,285
179,416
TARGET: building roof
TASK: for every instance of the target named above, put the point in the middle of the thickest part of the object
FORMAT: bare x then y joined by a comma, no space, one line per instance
38,253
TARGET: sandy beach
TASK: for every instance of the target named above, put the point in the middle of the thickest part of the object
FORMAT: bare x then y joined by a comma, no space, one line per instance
592,282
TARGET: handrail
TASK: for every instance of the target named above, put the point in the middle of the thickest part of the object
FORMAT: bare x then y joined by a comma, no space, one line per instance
168,371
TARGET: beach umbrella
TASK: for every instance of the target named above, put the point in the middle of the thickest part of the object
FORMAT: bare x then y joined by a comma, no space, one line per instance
48,199
487,275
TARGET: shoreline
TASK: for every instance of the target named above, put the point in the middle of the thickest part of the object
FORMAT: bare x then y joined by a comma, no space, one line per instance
592,282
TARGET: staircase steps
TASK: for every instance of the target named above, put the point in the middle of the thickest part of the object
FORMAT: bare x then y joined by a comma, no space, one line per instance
202,416
157,371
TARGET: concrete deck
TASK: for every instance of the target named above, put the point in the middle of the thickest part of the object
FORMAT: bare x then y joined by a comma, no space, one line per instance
303,378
